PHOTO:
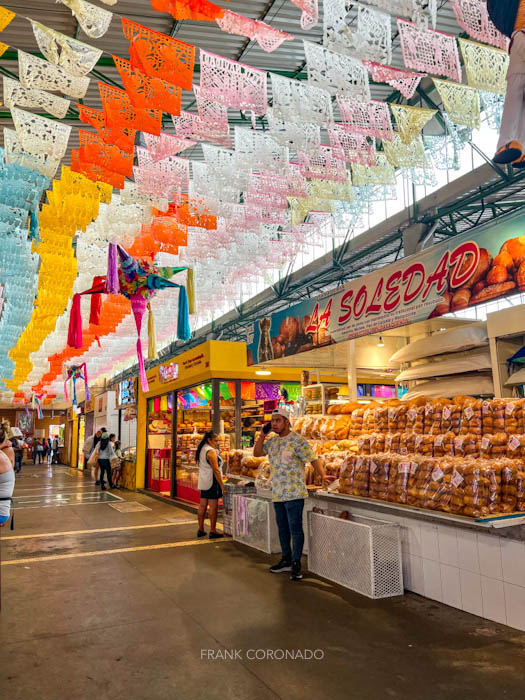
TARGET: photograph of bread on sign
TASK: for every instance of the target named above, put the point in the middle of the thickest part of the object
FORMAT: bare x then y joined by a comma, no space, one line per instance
468,269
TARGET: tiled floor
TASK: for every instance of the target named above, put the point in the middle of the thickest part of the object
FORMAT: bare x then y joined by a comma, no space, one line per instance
125,605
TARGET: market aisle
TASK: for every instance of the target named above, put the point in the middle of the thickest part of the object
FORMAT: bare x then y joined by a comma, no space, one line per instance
135,615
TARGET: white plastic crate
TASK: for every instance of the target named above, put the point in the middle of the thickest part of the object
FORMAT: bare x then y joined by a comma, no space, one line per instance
260,529
362,554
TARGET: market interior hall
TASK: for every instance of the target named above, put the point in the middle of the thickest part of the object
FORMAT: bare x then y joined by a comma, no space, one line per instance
262,349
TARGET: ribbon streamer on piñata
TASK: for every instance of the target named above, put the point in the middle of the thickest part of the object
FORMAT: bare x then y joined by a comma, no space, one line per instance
36,404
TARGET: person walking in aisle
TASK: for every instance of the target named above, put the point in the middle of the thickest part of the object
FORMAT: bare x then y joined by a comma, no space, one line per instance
49,452
55,450
288,453
210,483
105,452
39,452
89,445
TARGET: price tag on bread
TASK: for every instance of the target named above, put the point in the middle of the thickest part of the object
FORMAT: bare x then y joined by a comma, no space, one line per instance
456,480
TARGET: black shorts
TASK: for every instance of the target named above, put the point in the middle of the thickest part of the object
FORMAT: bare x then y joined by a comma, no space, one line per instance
214,492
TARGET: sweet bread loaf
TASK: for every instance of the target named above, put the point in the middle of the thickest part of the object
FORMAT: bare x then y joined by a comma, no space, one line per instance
379,466
377,443
511,418
415,419
450,418
471,421
361,476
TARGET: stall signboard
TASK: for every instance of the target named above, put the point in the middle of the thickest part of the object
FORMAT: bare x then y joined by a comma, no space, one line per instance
168,373
469,269
127,393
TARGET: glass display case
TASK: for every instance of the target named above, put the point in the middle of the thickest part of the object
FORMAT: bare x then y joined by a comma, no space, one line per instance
235,409
159,444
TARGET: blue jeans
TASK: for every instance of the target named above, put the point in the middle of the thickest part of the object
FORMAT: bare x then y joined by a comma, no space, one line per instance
289,517
18,461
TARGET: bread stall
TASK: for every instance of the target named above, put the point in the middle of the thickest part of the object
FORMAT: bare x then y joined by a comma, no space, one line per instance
443,460
208,388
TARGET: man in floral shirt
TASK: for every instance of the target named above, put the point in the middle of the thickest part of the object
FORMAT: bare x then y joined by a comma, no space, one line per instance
288,453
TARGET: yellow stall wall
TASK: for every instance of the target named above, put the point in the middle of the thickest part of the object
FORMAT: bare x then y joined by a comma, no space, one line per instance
71,426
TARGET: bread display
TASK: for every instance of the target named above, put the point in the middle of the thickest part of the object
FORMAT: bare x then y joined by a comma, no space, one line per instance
342,427
462,456
250,465
235,462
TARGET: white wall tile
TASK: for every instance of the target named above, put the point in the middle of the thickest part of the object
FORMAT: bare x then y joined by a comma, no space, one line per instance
515,605
471,600
489,550
432,576
468,557
493,596
513,561
448,545
429,541
414,538
417,580
451,586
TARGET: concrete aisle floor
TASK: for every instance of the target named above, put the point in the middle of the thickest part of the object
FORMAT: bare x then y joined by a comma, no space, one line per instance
129,612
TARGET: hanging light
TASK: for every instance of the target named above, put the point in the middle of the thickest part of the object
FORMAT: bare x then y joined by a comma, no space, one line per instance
262,371
380,344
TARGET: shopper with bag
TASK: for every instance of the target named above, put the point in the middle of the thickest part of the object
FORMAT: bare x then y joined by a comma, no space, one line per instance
104,453
88,448
288,453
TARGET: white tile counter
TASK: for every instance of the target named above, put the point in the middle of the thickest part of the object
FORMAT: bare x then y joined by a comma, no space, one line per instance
462,564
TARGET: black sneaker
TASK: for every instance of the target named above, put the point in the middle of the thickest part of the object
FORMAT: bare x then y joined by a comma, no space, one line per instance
215,535
97,483
296,574
201,533
283,565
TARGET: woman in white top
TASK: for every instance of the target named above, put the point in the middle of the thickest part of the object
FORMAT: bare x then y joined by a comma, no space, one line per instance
210,482
7,486
106,453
